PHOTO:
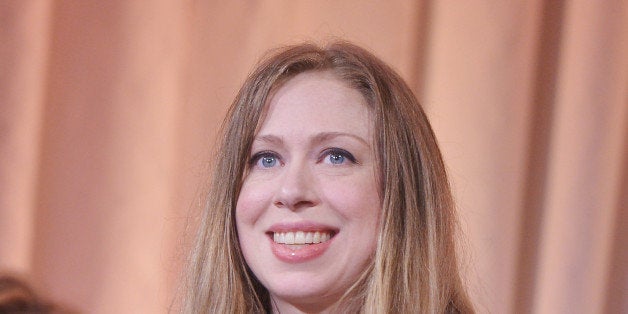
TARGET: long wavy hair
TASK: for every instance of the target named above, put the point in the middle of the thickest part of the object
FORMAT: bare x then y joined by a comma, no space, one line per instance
415,266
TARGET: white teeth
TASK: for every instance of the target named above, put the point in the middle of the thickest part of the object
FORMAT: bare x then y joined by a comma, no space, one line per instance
316,238
301,237
289,238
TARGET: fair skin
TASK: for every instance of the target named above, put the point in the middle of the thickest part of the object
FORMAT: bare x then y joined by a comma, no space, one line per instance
307,213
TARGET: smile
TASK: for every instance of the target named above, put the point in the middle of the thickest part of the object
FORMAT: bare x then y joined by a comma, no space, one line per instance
301,237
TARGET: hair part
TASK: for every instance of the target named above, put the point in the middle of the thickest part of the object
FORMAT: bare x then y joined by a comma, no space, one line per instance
414,268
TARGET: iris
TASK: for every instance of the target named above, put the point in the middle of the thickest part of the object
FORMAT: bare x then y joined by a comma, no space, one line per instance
268,161
336,159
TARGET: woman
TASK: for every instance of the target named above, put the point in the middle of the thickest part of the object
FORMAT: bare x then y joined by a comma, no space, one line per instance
329,195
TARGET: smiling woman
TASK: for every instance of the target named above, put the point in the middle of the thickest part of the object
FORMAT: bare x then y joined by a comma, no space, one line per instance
320,185
329,195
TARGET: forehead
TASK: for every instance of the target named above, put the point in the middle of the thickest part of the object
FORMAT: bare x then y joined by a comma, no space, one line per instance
317,101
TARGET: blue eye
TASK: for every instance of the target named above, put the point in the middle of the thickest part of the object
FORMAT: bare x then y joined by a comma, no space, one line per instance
337,156
336,159
268,161
264,160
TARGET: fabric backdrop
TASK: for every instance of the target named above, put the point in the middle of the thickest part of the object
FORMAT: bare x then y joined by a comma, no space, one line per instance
108,110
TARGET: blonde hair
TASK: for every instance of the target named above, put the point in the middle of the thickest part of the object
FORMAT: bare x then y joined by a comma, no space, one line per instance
414,268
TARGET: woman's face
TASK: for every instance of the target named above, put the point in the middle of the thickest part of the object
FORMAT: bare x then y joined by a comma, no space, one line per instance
307,214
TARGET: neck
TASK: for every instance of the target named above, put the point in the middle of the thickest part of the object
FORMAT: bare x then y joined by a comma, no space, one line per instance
280,306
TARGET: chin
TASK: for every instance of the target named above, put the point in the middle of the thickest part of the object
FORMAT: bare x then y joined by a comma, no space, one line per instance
303,291
298,286
306,299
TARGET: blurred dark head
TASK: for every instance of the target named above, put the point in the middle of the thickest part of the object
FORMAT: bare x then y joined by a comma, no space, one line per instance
16,296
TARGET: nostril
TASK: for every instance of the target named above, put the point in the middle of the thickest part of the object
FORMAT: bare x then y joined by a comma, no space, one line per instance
304,204
295,190
295,205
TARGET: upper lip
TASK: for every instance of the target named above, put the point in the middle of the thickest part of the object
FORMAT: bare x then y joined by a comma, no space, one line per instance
306,226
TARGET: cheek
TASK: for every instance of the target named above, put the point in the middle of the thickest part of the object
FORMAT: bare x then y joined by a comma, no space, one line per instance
249,208
251,203
357,200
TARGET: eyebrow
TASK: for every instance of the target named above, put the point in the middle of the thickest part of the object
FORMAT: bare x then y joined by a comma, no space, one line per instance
272,139
325,136
318,138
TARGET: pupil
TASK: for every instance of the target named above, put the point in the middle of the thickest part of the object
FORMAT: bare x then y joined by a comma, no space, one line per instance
336,159
268,161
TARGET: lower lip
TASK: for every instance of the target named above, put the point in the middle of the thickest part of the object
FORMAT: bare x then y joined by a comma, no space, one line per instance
306,253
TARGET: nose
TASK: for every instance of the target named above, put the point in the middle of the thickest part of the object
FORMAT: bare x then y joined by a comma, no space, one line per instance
296,190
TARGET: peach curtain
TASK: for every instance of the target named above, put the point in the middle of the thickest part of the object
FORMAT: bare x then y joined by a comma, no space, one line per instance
108,111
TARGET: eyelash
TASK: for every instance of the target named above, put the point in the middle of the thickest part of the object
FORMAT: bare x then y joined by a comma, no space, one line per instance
326,153
263,154
338,151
